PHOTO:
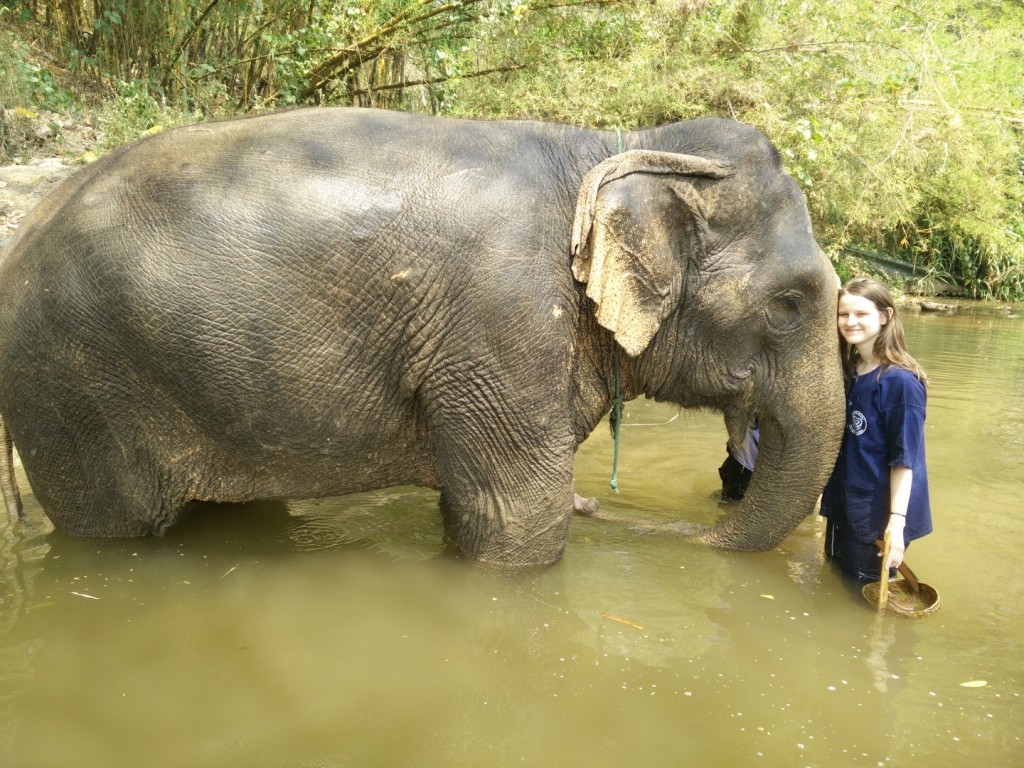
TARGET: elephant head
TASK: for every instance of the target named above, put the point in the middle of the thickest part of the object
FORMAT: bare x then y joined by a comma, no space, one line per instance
710,263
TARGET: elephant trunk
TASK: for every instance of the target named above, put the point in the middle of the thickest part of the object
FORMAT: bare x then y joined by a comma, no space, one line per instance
799,442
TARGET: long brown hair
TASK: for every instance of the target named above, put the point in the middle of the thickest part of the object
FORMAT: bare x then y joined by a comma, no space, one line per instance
890,345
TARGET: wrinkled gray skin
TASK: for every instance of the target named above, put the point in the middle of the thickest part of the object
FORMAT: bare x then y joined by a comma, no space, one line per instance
326,301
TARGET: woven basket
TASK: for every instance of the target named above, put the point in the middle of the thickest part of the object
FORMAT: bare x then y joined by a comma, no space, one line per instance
903,599
907,596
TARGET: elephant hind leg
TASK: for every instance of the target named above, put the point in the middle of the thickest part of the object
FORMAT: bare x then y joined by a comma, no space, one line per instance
115,500
91,482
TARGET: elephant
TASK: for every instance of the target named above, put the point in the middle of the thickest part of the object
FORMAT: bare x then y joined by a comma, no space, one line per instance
330,300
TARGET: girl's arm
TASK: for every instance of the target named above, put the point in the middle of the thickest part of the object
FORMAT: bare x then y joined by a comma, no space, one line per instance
900,481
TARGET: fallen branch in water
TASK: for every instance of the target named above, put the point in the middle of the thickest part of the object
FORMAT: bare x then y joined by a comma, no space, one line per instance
627,622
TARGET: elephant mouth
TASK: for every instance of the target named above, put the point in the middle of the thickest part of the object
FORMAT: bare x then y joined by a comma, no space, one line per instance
793,461
741,424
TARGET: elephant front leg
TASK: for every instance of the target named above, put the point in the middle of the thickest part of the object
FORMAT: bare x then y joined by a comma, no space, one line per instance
514,520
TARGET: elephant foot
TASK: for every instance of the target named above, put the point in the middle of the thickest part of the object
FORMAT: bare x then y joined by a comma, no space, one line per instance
585,507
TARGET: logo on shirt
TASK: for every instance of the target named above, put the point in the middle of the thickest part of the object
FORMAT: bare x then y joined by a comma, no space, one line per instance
858,424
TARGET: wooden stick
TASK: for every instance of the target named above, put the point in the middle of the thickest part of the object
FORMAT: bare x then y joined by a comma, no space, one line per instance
883,587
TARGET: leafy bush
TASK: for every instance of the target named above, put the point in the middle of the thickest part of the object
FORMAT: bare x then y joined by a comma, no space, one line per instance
135,112
43,90
903,123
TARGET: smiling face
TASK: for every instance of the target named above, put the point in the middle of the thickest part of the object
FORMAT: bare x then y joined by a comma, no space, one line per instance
860,321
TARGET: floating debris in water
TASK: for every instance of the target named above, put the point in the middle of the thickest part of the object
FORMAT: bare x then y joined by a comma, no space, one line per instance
627,622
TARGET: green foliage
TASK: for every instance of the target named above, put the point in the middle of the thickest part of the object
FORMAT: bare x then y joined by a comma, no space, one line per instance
24,83
903,123
44,90
13,90
25,88
134,112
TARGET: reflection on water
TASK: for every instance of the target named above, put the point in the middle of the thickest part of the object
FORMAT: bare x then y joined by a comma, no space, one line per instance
336,633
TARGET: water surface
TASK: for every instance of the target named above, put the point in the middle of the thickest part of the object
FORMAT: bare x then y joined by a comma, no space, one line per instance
331,632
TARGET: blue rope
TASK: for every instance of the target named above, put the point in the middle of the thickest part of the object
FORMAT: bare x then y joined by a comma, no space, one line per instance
615,418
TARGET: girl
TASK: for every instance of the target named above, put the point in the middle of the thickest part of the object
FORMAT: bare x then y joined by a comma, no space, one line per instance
880,481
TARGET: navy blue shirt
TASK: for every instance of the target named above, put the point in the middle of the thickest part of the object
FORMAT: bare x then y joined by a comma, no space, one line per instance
884,429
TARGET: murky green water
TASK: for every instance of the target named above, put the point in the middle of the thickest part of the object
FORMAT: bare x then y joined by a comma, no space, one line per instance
330,634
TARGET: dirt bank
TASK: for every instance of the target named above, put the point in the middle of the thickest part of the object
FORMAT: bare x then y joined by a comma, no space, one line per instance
22,186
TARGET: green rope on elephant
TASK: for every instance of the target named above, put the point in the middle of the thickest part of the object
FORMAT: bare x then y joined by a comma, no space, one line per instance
615,422
615,418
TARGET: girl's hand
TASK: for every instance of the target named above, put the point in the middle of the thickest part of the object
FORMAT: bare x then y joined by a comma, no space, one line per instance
896,546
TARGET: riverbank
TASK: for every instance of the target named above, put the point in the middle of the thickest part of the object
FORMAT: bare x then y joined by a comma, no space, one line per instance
22,186
938,305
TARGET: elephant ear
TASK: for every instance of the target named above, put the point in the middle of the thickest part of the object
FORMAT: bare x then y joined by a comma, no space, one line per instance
638,216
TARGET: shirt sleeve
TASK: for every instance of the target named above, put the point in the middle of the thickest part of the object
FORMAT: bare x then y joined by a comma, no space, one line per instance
903,403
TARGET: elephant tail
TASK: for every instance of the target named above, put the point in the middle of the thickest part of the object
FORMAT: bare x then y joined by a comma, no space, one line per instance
8,482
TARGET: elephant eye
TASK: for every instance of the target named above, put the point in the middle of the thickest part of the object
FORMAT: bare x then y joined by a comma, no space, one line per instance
784,311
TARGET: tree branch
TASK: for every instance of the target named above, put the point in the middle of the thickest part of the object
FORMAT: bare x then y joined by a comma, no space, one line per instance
374,44
192,32
441,79
348,57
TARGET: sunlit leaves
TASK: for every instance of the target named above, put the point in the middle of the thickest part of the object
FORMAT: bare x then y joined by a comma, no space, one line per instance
903,123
